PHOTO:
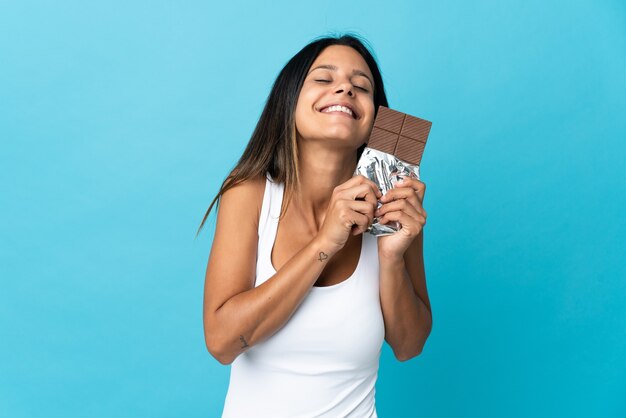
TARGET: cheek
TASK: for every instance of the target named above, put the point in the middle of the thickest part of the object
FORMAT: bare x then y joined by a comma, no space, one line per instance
302,116
304,102
369,113
305,105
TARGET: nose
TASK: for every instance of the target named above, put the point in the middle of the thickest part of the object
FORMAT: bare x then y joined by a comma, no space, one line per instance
344,87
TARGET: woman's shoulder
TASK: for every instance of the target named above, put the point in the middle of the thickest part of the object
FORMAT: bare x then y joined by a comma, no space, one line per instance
245,199
249,184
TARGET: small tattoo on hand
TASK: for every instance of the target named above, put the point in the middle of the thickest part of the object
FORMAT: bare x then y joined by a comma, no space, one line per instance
323,256
243,341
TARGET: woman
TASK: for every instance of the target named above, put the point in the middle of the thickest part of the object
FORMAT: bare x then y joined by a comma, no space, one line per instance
298,297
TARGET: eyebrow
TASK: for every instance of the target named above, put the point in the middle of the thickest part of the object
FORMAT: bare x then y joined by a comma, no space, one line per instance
334,68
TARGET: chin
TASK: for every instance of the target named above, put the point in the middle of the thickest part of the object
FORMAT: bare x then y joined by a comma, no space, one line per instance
340,138
339,131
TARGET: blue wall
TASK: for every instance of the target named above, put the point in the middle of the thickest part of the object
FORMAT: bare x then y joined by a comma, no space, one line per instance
118,121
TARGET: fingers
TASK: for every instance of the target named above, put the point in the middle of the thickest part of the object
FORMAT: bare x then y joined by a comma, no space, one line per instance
408,188
351,210
353,219
357,200
401,195
402,205
356,212
360,223
410,225
362,192
358,181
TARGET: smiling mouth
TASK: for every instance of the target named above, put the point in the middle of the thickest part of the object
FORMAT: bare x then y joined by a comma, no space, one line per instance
339,113
339,109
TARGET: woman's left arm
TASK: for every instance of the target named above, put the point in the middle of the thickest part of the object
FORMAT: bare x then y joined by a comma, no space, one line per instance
403,294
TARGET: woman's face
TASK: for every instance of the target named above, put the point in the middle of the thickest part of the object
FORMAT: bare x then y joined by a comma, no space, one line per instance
338,76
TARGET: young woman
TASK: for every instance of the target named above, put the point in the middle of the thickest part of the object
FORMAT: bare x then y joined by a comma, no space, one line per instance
298,296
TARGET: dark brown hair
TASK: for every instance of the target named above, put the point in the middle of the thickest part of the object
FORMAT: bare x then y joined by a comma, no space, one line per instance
272,148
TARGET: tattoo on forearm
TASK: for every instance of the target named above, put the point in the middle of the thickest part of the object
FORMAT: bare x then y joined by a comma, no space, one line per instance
243,342
323,256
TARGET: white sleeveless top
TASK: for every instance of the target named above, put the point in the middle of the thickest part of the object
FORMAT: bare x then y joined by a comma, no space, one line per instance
324,361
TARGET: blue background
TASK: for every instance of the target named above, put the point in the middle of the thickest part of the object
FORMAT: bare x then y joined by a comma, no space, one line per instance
119,120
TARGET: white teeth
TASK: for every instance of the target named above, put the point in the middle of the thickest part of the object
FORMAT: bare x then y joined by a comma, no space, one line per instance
338,108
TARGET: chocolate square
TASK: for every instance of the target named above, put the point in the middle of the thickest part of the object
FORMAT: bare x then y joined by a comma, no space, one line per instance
399,134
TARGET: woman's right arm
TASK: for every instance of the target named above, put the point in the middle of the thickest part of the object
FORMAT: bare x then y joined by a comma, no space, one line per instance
237,315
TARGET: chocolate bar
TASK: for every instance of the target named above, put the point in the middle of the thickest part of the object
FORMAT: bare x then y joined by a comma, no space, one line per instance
399,134
394,150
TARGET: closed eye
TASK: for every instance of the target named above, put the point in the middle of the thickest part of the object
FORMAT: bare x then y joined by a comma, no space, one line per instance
358,87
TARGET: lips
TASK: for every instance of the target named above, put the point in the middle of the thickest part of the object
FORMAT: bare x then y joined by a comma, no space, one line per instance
355,115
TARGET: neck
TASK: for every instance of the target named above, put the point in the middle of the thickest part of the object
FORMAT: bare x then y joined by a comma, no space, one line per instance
321,169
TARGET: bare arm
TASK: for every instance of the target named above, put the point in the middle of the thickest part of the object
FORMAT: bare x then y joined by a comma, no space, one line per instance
404,298
404,301
238,315
252,316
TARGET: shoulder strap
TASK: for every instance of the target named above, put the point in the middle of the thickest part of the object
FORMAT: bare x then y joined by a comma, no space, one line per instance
265,206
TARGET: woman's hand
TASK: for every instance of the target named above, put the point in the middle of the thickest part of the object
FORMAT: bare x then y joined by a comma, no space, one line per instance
403,204
350,211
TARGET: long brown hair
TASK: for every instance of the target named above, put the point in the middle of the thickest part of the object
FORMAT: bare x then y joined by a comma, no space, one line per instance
272,148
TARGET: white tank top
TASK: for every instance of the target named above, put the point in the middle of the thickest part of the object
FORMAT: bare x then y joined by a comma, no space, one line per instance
324,361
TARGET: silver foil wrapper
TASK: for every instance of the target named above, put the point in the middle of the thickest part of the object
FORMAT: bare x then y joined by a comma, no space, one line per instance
385,170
